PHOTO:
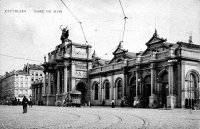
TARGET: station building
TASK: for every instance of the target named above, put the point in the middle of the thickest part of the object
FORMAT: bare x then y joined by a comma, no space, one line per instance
165,74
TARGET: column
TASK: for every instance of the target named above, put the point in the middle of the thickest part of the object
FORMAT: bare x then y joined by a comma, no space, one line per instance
65,80
136,82
58,82
33,93
44,84
113,85
49,84
171,99
36,93
153,99
152,78
49,89
100,83
170,78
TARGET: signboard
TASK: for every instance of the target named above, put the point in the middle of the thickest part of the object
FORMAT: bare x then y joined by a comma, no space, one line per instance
82,74
80,65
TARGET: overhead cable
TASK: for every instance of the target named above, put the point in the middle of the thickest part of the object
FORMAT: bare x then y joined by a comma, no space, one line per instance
20,58
76,20
125,18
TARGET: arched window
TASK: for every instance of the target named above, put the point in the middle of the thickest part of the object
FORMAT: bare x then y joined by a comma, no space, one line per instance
119,89
193,86
107,89
96,89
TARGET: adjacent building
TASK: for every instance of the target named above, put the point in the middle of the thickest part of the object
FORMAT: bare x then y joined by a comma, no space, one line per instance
37,81
165,74
15,84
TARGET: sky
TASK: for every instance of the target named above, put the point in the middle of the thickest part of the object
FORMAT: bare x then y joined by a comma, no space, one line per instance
35,32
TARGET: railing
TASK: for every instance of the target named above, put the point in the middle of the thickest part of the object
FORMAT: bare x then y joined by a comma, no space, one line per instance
145,58
118,65
162,55
107,68
131,62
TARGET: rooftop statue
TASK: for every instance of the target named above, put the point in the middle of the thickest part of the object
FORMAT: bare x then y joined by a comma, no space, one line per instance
65,34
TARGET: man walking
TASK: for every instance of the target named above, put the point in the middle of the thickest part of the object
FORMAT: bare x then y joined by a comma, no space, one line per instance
24,103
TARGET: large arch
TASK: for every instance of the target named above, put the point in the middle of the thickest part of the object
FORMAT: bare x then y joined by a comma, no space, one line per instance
81,86
163,89
146,91
192,93
119,86
106,85
132,84
95,87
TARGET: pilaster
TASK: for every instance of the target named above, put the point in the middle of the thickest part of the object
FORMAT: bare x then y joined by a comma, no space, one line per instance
153,97
171,99
65,80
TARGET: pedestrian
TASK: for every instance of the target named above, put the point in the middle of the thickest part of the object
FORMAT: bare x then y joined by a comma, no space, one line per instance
30,103
113,103
24,104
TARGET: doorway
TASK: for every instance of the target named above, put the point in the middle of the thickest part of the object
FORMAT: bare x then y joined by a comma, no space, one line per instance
81,87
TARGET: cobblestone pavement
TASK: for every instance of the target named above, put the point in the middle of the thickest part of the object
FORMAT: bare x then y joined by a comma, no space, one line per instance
11,117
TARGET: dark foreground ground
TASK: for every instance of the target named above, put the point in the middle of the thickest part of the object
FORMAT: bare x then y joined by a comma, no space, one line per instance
11,117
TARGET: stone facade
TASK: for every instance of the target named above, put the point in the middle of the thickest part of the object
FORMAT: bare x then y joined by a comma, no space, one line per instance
67,69
165,74
15,84
37,79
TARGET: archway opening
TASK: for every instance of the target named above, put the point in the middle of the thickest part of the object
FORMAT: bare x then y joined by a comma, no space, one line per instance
132,90
96,90
81,87
164,89
119,89
192,95
107,90
146,91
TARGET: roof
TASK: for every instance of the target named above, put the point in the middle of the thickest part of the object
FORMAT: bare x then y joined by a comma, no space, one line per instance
155,39
35,67
103,61
189,45
131,54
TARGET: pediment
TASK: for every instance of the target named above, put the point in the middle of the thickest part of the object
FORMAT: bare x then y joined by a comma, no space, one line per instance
118,51
155,39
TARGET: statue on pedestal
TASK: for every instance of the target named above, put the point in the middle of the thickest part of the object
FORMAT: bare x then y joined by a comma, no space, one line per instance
44,58
65,34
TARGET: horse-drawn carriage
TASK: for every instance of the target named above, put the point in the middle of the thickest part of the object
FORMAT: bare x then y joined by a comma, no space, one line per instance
73,98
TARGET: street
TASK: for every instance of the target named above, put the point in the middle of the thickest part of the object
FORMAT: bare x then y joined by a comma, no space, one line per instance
97,117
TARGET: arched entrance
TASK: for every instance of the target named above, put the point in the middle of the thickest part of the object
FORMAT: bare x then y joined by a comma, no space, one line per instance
132,91
81,87
96,91
119,88
146,91
164,89
107,90
192,96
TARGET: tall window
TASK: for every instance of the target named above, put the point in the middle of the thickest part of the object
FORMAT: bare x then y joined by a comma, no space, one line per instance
96,91
119,89
193,87
107,88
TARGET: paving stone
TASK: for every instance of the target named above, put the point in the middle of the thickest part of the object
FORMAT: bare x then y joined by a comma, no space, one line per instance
50,117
